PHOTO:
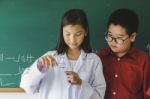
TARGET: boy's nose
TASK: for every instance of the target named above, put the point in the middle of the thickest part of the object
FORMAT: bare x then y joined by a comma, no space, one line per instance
113,41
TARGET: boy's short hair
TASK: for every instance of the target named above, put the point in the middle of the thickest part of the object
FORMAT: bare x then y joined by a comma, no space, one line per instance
125,18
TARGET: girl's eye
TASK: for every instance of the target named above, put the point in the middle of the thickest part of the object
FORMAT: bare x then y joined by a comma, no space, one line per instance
78,34
67,34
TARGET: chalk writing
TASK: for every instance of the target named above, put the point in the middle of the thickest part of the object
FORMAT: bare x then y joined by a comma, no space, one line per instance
21,60
2,84
1,57
20,71
2,76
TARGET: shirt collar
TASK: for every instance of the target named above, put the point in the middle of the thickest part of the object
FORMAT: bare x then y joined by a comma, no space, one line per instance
131,52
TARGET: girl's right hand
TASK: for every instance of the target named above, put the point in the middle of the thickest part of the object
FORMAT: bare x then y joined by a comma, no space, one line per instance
46,62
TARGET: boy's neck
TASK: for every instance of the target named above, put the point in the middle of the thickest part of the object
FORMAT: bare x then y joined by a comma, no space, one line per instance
119,55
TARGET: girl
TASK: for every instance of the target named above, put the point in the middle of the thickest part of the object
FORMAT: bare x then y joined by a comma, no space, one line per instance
75,72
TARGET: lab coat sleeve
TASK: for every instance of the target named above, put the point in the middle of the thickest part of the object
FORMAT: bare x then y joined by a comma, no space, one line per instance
31,78
94,89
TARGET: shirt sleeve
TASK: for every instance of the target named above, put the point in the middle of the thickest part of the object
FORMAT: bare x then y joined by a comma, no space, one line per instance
95,89
148,91
147,78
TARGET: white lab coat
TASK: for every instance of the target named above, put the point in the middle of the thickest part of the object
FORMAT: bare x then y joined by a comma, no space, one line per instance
53,83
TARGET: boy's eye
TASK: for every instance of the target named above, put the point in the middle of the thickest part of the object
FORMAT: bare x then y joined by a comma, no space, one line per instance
109,35
115,37
119,38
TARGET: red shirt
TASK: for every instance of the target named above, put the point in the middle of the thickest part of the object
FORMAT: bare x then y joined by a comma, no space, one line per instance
148,92
127,77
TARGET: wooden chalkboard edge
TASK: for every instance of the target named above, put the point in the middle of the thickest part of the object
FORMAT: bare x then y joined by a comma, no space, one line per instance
11,90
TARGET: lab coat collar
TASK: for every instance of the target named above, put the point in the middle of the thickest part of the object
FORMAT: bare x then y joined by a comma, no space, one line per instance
82,55
79,63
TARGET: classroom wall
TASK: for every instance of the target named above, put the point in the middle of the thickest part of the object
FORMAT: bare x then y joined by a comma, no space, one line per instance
29,28
25,26
18,96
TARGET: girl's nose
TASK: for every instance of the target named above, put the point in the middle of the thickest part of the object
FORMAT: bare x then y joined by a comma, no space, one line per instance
72,39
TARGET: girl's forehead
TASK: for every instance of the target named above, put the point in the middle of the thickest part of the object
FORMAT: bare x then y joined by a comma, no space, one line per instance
73,27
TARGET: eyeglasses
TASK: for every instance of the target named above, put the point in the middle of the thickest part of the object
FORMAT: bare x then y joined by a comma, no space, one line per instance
117,40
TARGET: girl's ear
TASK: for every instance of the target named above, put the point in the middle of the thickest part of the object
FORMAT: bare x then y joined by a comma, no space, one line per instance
85,34
133,36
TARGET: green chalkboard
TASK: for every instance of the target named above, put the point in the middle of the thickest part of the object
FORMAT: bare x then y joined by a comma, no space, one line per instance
29,28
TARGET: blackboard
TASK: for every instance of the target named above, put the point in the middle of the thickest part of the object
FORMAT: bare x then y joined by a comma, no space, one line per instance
29,28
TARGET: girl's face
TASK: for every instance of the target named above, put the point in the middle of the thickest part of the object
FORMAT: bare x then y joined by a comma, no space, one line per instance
118,39
73,36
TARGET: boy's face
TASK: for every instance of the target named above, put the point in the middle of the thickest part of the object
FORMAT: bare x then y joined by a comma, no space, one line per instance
118,39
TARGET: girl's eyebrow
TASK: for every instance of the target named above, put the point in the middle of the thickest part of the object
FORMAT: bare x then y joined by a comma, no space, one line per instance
75,32
67,31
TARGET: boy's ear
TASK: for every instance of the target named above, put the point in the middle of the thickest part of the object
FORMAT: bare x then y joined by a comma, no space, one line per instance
133,36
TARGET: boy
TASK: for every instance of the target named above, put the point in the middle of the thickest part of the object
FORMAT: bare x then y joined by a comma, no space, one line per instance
126,68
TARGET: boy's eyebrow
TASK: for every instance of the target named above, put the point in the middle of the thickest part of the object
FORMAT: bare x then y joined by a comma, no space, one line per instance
115,35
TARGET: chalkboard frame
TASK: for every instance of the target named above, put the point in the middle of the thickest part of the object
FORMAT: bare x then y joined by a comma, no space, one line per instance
20,90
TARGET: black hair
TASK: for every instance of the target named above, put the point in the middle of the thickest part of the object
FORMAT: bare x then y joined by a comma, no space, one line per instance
74,17
125,18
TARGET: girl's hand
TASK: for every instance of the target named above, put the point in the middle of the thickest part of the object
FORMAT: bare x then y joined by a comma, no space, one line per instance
46,62
73,78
